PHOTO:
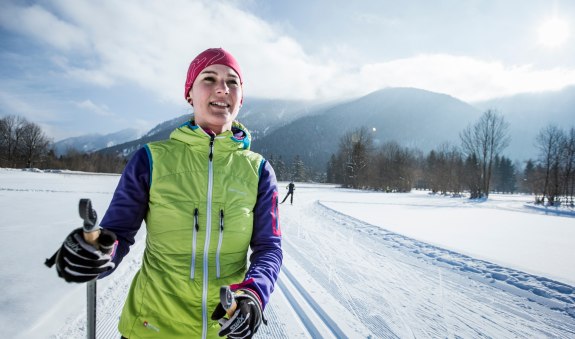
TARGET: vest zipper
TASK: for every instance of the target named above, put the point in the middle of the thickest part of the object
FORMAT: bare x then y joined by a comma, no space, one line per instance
207,242
220,244
194,239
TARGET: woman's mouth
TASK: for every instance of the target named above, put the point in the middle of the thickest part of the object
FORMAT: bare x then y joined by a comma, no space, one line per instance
219,104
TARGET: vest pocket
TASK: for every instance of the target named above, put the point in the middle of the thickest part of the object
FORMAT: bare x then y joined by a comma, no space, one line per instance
194,241
220,238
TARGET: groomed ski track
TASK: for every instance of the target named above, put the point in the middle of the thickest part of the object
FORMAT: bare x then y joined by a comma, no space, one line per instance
346,278
293,314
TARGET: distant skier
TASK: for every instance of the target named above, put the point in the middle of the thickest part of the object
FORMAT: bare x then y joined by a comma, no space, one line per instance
290,187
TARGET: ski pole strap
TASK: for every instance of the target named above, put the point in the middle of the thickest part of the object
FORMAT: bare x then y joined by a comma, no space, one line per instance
52,260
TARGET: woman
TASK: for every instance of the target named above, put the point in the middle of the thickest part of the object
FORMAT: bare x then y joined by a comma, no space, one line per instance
205,198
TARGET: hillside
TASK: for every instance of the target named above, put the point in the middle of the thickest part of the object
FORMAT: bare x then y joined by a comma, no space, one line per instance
528,113
92,142
412,117
261,116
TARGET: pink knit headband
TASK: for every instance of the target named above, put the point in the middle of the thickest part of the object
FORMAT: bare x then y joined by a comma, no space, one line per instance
211,56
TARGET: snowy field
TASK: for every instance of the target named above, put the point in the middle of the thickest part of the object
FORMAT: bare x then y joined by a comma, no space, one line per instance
357,264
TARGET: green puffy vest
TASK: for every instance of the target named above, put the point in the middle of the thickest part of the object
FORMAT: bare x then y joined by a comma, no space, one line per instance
199,226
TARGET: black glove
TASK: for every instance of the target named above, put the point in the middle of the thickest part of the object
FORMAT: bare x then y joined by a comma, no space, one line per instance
78,261
245,320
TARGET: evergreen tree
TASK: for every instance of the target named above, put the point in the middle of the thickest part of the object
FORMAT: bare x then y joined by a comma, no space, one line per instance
331,169
298,170
279,168
504,177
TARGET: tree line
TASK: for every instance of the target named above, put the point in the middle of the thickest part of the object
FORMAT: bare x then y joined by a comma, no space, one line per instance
477,166
295,170
552,177
23,144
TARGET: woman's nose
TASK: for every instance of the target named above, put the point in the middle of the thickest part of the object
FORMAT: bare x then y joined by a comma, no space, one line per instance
222,87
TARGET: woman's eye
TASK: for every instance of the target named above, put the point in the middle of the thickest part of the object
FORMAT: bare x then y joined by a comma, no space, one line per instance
232,82
209,79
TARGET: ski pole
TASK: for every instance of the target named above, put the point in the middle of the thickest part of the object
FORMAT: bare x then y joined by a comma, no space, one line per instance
91,309
91,234
105,244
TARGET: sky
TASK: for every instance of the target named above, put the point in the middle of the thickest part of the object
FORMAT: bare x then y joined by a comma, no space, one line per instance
77,67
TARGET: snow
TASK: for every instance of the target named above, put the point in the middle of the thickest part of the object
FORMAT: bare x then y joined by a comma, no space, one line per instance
501,230
360,263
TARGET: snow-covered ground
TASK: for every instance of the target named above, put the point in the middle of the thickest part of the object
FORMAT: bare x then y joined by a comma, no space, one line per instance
357,264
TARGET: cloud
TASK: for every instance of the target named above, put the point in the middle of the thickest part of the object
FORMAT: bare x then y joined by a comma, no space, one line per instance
464,77
150,43
375,19
14,104
38,23
101,110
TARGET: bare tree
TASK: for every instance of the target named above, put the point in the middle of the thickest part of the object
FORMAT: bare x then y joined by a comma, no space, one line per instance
569,165
472,176
354,150
549,142
394,168
33,143
443,169
11,127
485,139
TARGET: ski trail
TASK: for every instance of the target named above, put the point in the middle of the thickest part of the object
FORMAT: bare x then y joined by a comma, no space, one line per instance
548,292
402,287
373,283
286,318
326,319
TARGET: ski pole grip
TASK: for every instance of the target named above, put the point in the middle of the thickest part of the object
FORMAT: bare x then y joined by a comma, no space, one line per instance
91,231
228,300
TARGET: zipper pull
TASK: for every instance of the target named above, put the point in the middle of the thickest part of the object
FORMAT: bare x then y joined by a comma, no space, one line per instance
221,220
196,220
211,147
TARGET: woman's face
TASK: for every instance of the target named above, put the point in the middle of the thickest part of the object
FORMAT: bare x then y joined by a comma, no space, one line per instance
216,95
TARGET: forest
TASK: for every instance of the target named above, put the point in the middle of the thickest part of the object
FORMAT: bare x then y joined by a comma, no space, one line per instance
23,144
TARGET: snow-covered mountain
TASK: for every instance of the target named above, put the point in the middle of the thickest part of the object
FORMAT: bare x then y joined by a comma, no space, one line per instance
412,117
261,116
93,142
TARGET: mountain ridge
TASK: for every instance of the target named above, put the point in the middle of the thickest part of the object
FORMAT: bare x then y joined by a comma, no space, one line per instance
413,117
92,142
405,115
524,111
